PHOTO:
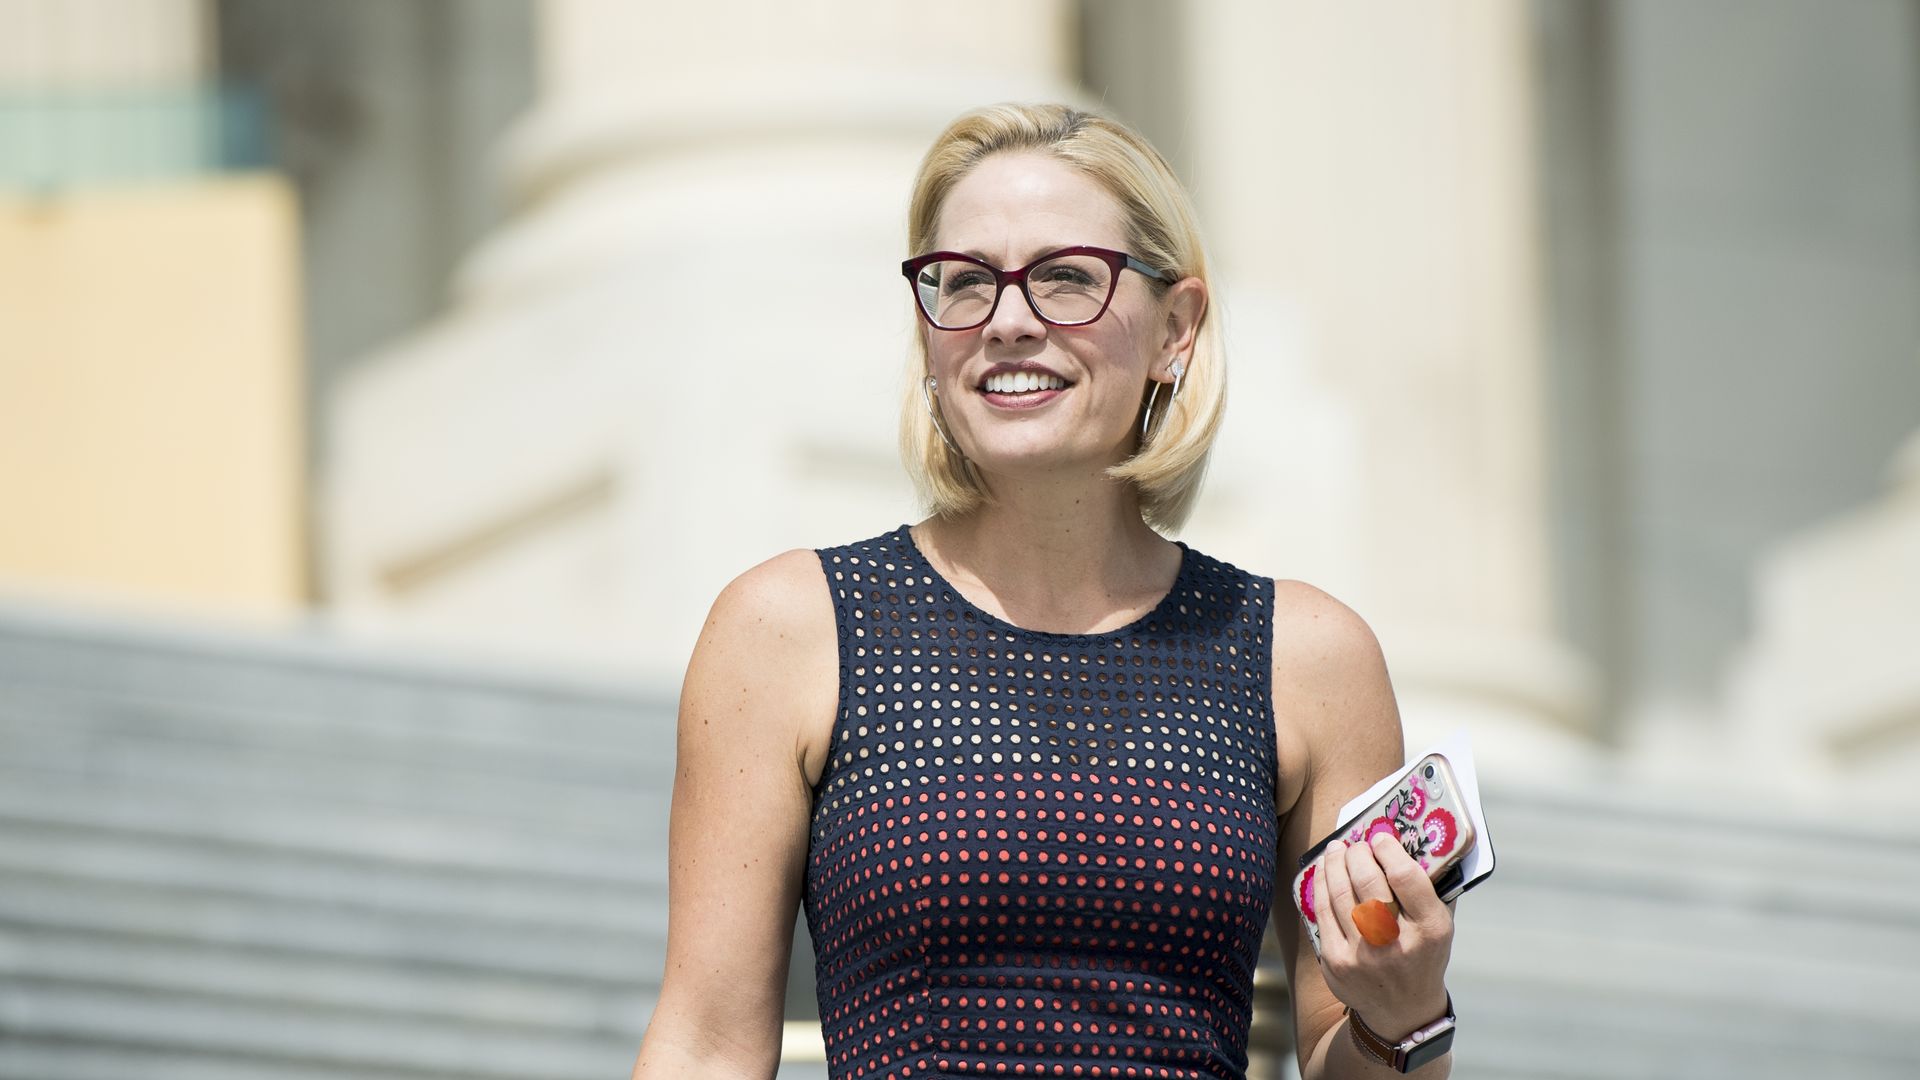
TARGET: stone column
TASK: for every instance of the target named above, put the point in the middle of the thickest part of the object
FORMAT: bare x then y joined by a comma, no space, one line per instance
619,413
1826,696
1372,164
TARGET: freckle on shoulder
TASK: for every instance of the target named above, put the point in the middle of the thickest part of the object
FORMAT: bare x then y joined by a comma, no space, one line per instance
1299,600
1310,622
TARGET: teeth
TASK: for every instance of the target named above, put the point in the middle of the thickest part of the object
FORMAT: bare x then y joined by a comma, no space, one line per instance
1020,382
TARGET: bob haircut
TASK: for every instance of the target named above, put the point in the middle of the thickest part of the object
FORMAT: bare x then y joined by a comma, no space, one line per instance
1167,467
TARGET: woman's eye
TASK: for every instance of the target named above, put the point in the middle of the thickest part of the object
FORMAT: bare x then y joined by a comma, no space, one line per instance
969,280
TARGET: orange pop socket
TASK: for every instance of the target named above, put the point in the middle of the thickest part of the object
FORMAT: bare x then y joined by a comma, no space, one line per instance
1377,921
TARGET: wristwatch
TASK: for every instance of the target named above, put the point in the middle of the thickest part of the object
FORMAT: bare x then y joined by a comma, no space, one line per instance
1411,1052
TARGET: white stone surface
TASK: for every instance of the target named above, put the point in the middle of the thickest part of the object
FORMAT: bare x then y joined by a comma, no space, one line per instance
1418,303
1827,692
96,46
685,352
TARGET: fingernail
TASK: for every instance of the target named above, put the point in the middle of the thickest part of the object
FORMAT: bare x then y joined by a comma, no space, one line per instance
1336,847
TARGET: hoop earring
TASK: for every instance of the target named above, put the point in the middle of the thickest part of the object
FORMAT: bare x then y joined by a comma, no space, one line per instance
927,388
1179,369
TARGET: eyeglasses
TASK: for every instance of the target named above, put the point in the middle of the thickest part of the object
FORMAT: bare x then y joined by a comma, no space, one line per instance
1069,287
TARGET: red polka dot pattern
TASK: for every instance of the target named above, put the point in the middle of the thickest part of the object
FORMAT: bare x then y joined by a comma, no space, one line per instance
1039,854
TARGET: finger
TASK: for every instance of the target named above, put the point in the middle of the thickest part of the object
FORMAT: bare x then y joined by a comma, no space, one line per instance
1375,914
1338,908
1410,885
1323,929
1364,871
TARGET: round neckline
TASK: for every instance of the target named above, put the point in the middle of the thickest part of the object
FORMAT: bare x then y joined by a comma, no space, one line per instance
1179,579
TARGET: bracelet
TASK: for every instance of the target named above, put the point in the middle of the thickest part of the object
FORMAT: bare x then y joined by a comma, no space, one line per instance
1424,1045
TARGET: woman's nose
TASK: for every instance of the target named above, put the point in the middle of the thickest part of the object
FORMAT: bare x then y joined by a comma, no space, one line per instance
1013,317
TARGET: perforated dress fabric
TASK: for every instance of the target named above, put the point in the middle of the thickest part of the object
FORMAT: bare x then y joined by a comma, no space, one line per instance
1040,854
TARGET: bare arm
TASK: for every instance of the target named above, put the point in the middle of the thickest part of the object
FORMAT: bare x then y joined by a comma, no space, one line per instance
763,676
1338,727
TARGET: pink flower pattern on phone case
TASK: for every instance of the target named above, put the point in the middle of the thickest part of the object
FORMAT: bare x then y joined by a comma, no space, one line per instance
1427,833
1411,814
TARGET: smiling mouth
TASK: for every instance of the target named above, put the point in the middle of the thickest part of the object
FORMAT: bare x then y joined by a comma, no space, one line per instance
1013,384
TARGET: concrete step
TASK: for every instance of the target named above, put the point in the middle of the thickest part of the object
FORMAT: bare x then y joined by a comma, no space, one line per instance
1770,970
339,983
532,944
614,852
285,676
550,741
37,1058
1516,1030
1741,950
1768,844
112,861
269,1032
27,1055
337,768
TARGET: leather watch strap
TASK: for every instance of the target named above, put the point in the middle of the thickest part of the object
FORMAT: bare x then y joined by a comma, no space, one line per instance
1415,1050
1370,1041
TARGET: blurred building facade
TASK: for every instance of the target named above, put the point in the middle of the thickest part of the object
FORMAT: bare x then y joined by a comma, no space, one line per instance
149,362
634,202
1575,345
1501,319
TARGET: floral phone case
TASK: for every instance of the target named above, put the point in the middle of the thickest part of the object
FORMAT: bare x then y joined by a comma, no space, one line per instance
1423,810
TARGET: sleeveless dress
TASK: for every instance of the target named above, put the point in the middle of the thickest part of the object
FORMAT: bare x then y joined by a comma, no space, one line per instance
1038,854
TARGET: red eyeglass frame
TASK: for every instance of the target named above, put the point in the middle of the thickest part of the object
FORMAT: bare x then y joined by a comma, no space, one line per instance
1116,261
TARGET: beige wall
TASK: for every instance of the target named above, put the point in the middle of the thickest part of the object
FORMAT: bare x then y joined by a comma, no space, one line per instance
670,54
102,44
150,395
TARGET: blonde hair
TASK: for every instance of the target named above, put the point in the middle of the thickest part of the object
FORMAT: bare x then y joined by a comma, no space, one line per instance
1162,231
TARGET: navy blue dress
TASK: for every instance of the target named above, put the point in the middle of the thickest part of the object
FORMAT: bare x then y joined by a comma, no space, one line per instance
1037,854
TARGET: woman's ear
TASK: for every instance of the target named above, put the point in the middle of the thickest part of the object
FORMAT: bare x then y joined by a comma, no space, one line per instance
1186,302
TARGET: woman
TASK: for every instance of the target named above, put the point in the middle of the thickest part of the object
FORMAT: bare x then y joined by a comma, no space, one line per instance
1039,775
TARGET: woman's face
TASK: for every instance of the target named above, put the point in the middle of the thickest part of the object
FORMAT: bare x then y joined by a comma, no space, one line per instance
1008,210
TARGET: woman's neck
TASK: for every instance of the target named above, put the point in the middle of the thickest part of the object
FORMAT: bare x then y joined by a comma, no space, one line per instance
1061,557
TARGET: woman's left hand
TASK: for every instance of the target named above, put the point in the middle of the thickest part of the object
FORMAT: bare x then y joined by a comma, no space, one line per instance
1399,987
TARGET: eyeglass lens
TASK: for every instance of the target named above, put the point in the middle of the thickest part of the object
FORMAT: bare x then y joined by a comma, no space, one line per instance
1069,289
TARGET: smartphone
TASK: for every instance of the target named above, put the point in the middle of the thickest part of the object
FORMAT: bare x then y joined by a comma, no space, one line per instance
1424,811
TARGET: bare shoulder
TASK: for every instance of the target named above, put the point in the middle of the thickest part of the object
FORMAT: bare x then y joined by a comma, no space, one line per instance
785,597
1334,707
771,622
768,653
1320,644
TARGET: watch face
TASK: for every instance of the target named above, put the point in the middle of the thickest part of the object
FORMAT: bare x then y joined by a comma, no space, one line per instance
1424,1052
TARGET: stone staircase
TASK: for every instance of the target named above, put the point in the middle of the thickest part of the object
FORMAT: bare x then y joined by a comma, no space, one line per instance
228,855
1627,935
